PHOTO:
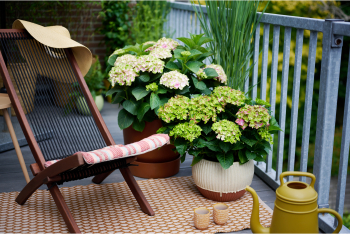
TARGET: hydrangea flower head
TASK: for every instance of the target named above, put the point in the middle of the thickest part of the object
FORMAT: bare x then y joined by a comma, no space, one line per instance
153,87
161,53
185,53
165,43
127,59
204,108
174,80
253,116
222,78
264,133
175,108
225,95
187,130
149,63
123,74
227,131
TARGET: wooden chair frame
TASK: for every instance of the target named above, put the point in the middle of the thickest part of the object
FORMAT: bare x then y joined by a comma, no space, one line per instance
49,176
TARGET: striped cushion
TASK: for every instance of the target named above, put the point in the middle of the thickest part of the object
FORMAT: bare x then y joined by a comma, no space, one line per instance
119,151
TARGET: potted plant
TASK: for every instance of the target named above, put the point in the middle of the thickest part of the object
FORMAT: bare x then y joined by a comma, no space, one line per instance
143,78
225,132
94,80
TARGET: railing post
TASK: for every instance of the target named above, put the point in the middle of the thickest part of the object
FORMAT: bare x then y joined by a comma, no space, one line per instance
327,107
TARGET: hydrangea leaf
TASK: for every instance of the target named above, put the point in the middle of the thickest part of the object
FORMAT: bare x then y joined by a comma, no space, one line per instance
210,137
183,91
196,159
242,157
211,73
212,145
131,106
189,42
237,146
119,97
154,101
206,128
194,54
125,119
142,110
226,160
250,155
177,53
162,129
225,146
274,125
204,40
138,125
194,66
113,90
161,90
139,92
111,59
248,141
199,84
171,66
144,77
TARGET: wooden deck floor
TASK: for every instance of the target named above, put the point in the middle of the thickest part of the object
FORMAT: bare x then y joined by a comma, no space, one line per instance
11,177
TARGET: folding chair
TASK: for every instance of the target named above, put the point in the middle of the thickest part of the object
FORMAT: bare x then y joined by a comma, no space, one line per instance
42,83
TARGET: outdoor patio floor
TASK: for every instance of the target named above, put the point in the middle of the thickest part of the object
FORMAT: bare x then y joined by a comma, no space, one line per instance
12,179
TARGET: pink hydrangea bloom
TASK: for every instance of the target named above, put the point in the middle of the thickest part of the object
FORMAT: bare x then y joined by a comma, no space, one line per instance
164,43
222,78
174,80
161,53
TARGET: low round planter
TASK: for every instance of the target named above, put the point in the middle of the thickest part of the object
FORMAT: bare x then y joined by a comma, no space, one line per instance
159,163
218,184
83,107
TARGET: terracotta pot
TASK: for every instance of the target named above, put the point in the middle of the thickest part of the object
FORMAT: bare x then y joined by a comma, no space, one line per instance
219,184
159,163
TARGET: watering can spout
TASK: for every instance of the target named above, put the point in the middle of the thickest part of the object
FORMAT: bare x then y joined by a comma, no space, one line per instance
255,225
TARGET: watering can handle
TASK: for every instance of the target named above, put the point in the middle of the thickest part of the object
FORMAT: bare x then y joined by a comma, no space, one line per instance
298,173
333,212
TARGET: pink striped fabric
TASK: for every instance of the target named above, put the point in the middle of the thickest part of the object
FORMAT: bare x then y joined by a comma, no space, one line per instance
119,151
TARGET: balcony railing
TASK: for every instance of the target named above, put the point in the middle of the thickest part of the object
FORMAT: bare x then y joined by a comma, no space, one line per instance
182,19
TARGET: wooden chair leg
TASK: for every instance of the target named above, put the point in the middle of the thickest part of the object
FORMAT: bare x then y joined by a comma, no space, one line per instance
135,189
64,210
16,145
29,189
99,178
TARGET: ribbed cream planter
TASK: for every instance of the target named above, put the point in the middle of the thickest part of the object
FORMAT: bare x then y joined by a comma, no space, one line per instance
216,183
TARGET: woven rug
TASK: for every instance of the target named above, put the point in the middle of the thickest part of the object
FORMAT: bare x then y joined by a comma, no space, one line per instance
112,208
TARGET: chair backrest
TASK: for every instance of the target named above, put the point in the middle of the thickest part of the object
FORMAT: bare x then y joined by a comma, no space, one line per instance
53,95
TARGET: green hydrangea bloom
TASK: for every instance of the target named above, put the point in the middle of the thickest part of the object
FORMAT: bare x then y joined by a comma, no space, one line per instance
185,53
189,131
153,87
264,133
201,74
227,131
253,116
262,102
204,108
175,108
225,95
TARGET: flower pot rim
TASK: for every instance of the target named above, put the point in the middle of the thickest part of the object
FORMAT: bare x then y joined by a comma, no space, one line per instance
230,166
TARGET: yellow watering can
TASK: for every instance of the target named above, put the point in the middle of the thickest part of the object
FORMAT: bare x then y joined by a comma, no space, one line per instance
296,209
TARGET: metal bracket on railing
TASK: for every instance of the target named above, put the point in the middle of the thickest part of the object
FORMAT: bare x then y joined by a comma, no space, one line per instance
336,40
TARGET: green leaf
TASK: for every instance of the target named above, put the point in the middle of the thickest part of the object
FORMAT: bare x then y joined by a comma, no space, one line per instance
195,37
204,40
194,54
183,91
242,157
206,128
177,53
183,158
125,119
226,160
196,159
162,129
248,141
194,66
111,60
135,48
163,101
138,125
142,110
250,155
181,145
131,106
206,91
274,125
187,41
259,159
212,145
211,73
199,84
139,92
119,97
171,66
145,47
113,90
210,137
160,90
144,77
154,101
237,146
225,146
194,152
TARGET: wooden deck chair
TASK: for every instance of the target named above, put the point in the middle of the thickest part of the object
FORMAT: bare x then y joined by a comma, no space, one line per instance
41,82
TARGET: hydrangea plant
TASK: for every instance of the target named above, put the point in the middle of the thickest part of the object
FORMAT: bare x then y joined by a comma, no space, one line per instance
145,76
223,126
